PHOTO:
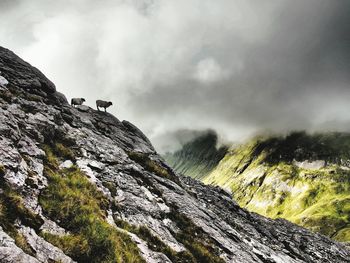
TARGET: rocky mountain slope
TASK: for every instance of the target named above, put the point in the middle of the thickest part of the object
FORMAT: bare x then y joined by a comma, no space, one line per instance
78,185
303,178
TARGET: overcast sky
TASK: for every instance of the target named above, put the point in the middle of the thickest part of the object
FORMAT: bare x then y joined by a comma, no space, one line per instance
237,66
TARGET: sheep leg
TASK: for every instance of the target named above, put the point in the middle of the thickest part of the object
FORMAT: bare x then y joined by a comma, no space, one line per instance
105,110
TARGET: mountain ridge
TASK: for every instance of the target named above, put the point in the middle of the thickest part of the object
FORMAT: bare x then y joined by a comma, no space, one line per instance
78,185
300,177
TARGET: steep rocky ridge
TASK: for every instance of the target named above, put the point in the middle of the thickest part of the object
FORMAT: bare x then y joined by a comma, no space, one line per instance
80,185
300,177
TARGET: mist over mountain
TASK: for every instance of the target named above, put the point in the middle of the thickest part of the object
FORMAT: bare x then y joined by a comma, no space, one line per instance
226,138
198,156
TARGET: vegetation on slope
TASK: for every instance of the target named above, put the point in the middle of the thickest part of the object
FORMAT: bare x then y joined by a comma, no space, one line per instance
199,246
266,176
155,244
198,157
198,243
80,207
77,205
13,209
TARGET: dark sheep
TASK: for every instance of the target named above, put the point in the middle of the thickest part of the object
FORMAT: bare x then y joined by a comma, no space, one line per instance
77,101
103,104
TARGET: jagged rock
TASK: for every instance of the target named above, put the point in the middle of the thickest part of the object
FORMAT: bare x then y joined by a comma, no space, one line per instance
3,82
138,135
16,172
20,73
83,108
311,165
51,227
60,98
44,251
96,165
149,255
27,146
66,164
10,253
140,188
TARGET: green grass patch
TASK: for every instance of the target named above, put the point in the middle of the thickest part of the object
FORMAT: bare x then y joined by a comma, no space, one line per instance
56,153
75,203
74,245
343,234
51,159
78,206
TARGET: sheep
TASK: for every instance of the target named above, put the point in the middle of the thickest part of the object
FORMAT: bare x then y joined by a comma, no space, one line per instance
103,104
77,101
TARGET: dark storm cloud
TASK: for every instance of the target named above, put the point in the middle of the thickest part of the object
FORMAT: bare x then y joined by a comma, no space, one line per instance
236,66
296,78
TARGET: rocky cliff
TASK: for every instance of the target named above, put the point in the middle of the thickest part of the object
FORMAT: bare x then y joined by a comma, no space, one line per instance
300,177
78,185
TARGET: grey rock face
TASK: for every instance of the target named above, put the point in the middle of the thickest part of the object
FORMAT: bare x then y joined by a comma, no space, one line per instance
44,251
143,193
21,74
10,253
3,82
311,165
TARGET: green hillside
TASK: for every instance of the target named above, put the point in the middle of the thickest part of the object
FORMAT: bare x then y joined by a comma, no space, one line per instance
198,157
302,178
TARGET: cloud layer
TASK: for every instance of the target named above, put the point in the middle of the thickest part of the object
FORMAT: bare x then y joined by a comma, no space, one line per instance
236,66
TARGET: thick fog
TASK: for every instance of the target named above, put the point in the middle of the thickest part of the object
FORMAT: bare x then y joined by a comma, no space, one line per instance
237,66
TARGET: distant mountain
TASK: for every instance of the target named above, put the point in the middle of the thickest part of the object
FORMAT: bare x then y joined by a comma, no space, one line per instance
198,157
300,177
